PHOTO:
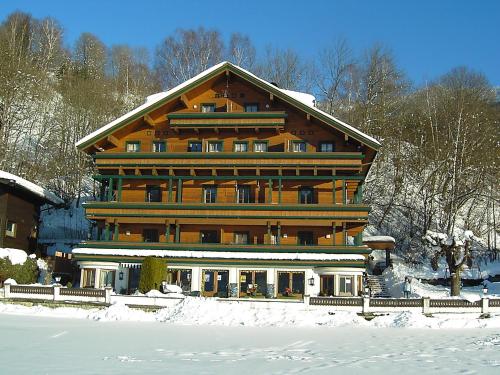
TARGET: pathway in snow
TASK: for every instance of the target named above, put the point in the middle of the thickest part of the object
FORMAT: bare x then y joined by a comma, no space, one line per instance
34,345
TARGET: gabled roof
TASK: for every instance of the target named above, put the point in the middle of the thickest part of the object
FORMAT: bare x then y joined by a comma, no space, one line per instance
302,101
10,179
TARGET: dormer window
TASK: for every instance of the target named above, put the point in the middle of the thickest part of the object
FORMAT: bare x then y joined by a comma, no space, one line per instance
133,146
326,147
251,107
299,146
207,107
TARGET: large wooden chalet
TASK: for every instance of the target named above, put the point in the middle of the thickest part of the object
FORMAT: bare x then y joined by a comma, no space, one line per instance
245,189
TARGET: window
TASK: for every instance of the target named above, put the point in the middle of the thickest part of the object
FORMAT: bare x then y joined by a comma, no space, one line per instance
208,107
291,284
346,285
209,236
306,195
150,235
305,238
251,107
134,146
240,146
241,238
10,230
326,147
107,278
194,146
299,146
159,146
214,146
88,278
209,193
153,193
259,146
243,194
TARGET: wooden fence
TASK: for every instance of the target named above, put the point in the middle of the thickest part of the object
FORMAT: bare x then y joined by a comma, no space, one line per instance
425,305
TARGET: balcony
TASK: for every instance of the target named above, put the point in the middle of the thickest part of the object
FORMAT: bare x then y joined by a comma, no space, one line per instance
227,120
351,161
218,247
246,214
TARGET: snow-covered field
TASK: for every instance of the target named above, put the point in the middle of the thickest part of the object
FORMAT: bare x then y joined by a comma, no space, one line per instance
41,345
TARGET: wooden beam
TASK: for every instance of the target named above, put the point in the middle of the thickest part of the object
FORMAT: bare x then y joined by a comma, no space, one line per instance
113,140
149,120
137,172
192,172
184,100
346,137
235,171
271,96
237,130
121,172
308,117
214,172
99,148
297,172
154,172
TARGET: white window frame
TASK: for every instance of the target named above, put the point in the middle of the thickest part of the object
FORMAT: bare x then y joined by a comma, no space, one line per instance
258,144
13,229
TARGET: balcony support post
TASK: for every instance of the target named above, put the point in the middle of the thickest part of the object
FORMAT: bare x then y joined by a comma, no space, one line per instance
334,198
106,231
268,240
334,232
344,234
167,231
116,231
279,189
170,189
110,190
179,190
278,239
177,231
120,183
344,196
270,192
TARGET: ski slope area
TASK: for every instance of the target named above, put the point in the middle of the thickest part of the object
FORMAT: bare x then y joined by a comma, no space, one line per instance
62,346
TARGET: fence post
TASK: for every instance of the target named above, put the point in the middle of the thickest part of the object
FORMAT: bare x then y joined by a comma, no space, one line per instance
307,300
107,294
485,305
56,292
426,305
6,290
366,305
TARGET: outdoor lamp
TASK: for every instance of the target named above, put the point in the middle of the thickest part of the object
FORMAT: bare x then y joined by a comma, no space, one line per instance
311,281
120,275
58,279
367,290
485,289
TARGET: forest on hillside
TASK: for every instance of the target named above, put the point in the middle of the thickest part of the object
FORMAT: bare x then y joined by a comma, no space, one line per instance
437,169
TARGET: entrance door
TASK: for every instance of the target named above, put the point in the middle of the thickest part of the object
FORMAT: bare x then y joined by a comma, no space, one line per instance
327,285
215,283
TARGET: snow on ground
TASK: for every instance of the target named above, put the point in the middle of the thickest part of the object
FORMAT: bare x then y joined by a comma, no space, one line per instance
62,346
206,311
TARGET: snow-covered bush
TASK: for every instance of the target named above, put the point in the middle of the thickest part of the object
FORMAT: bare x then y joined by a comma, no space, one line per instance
25,273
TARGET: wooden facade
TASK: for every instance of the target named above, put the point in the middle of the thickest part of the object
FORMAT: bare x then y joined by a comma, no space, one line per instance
226,162
19,214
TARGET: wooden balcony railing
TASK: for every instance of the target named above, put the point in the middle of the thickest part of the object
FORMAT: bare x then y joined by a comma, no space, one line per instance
227,120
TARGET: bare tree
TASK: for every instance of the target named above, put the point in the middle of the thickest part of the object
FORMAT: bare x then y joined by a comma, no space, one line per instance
241,51
187,53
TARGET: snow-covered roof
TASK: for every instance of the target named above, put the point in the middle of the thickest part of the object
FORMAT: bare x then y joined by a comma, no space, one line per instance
217,254
16,256
292,97
9,179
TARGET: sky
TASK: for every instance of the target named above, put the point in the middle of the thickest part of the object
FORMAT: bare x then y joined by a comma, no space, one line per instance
427,37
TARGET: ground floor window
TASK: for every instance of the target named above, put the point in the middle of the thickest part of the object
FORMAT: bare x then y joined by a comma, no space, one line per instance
181,278
327,285
107,278
253,283
346,285
88,278
215,283
291,284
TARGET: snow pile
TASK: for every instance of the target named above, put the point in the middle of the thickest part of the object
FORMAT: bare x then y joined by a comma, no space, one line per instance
154,293
210,312
379,239
16,256
10,281
31,187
